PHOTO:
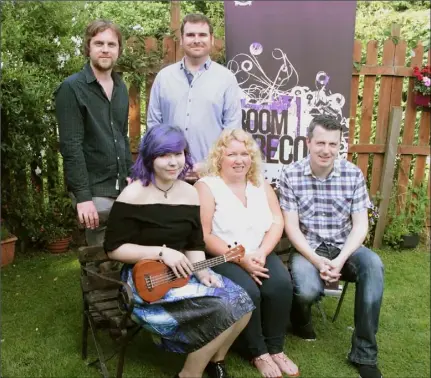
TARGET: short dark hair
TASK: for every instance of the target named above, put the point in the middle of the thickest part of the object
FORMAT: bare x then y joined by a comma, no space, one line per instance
196,18
327,122
99,26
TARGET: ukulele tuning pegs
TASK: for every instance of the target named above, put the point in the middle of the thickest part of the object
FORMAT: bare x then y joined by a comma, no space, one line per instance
235,243
229,246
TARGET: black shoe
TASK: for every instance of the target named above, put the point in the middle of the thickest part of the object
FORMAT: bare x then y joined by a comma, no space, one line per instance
216,370
368,371
305,332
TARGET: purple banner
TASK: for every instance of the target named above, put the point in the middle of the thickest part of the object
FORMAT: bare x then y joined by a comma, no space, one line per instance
293,61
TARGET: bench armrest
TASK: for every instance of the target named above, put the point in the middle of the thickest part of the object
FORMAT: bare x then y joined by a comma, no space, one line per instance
125,294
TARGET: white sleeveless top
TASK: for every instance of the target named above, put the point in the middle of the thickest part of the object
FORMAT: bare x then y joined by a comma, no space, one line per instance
232,221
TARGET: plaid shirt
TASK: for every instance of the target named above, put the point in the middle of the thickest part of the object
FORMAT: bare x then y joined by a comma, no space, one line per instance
93,135
324,206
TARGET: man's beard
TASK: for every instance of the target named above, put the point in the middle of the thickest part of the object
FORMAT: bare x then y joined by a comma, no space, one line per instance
103,68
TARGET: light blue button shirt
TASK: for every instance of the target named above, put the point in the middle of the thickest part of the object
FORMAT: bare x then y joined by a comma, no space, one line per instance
202,109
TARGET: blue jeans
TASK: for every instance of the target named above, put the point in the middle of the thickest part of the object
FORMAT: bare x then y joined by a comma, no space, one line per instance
365,268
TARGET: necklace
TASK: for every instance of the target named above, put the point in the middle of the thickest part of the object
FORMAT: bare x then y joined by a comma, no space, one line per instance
165,191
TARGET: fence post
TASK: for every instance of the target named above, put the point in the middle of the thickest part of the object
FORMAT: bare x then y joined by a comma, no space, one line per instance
175,27
134,118
388,172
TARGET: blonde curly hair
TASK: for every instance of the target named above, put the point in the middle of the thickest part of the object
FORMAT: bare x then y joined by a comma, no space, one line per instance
213,162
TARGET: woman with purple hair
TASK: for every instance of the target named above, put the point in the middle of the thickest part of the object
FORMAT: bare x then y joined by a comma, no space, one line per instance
157,217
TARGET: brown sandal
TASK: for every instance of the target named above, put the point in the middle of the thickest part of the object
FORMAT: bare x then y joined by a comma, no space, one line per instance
266,358
281,356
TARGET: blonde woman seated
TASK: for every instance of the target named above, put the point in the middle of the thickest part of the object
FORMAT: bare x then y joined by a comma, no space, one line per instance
237,205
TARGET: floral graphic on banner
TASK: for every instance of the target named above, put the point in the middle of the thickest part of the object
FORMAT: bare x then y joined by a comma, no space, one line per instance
277,110
242,3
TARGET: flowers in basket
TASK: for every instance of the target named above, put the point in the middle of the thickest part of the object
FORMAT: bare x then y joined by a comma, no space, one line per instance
422,86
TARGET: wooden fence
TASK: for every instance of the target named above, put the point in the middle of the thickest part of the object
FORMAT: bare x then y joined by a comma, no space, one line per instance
383,88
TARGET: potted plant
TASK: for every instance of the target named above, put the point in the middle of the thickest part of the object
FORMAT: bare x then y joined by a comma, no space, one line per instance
405,227
59,222
422,86
7,245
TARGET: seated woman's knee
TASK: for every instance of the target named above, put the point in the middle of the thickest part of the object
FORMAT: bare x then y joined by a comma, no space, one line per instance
252,290
281,285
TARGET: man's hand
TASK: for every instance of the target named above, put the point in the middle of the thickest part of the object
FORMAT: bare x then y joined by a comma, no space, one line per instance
87,214
196,172
198,168
255,270
325,269
333,272
207,278
321,263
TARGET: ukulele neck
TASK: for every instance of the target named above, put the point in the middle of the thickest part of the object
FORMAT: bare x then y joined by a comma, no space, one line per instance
208,263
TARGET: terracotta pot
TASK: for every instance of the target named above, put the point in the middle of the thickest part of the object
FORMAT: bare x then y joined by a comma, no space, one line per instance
423,100
8,250
60,245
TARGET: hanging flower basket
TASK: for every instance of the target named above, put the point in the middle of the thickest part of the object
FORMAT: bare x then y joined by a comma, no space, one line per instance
423,100
422,86
8,250
60,245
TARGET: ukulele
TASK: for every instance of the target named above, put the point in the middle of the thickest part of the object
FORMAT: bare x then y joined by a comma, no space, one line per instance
153,279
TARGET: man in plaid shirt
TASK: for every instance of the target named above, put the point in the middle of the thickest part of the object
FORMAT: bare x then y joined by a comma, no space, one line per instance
325,204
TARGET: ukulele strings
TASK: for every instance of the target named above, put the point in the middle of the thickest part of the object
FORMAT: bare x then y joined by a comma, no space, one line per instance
160,279
167,277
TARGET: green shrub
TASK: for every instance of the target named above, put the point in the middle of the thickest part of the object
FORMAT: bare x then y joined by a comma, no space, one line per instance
410,220
5,234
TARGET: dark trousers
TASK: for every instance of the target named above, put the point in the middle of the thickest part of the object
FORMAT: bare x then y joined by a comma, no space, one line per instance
266,330
363,267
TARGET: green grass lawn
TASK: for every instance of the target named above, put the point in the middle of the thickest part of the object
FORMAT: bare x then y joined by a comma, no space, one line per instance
41,325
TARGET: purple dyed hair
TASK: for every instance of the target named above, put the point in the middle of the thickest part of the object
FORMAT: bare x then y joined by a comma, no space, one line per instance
158,141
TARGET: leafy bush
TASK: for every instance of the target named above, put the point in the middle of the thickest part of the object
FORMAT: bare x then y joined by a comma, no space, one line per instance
5,234
410,220
59,218
38,52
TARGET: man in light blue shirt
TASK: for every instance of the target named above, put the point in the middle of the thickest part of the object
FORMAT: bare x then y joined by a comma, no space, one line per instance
197,94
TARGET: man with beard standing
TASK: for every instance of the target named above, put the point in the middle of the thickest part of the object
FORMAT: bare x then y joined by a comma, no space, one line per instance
197,94
92,112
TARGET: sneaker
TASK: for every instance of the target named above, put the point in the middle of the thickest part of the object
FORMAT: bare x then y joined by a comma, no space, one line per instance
306,332
368,371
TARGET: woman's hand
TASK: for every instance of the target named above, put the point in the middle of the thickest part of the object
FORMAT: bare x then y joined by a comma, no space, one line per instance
258,257
178,262
208,278
256,271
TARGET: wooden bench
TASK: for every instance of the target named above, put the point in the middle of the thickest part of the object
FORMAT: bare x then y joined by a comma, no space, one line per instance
107,305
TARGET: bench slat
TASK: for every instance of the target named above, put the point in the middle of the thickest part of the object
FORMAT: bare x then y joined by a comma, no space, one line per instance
90,282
